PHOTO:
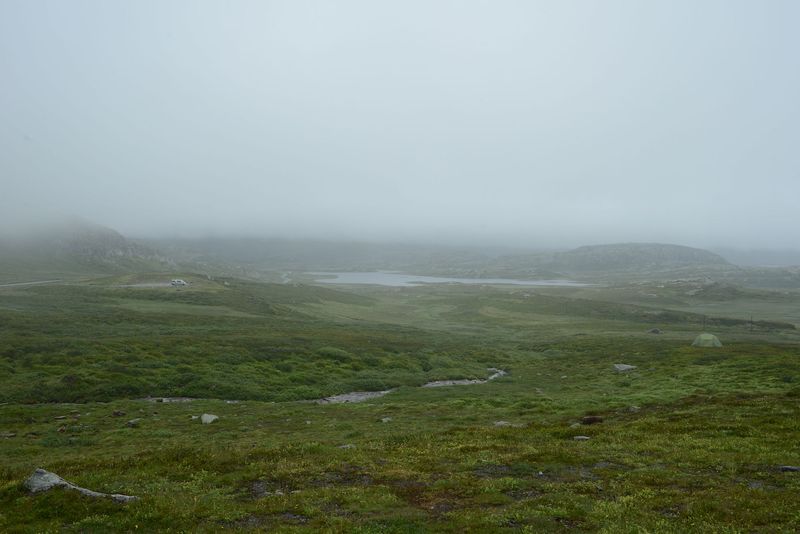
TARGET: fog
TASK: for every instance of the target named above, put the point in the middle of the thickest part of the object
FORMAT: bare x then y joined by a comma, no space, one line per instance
522,123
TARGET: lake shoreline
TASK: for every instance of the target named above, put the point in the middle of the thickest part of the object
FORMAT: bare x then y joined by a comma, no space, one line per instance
398,279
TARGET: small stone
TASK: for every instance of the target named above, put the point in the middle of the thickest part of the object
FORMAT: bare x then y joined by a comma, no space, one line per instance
386,419
308,422
789,469
502,423
194,417
117,413
133,423
564,376
62,429
60,417
623,367
633,409
575,425
581,438
7,434
347,446
208,418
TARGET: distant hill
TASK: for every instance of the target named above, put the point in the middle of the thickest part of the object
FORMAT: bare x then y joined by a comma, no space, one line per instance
74,247
255,254
77,248
249,256
636,257
761,257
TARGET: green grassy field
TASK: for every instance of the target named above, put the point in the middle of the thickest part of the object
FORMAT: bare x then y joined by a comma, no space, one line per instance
692,440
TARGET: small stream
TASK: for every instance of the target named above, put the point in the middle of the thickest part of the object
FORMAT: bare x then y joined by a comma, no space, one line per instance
361,396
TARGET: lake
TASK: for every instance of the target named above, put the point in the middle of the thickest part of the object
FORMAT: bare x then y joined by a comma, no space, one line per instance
382,278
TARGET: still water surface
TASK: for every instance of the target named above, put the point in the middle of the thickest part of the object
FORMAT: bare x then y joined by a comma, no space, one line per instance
382,278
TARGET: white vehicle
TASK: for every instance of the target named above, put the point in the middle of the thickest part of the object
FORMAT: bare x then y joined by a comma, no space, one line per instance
177,282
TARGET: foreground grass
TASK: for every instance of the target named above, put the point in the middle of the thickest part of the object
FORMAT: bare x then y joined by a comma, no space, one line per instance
704,463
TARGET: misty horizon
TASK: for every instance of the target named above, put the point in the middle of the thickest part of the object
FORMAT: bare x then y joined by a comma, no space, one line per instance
60,230
524,125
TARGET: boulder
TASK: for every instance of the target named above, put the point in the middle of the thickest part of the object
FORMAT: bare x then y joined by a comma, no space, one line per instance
42,480
208,418
623,367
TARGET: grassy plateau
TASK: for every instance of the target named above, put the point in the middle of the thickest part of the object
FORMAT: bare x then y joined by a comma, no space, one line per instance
691,440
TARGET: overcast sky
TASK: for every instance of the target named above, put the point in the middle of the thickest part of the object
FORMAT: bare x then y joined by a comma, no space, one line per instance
529,123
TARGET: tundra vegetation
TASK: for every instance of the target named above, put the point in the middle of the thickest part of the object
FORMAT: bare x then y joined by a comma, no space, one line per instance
692,439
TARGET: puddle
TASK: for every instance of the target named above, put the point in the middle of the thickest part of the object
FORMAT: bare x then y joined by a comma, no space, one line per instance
355,396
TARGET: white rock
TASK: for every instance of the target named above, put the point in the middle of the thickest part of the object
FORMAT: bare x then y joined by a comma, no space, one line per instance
207,418
623,367
42,480
581,438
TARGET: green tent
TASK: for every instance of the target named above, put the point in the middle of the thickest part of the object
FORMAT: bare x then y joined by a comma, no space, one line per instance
706,340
